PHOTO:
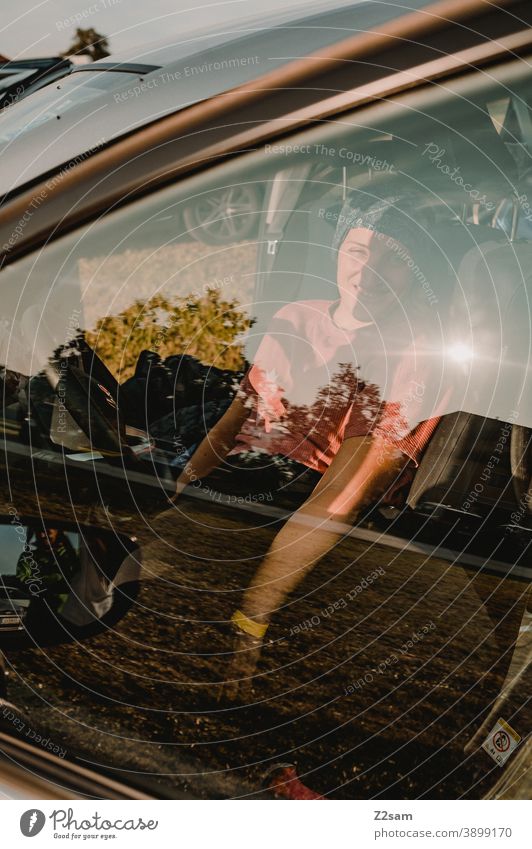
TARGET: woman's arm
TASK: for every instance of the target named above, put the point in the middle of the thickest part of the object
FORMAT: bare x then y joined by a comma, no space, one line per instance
215,446
363,469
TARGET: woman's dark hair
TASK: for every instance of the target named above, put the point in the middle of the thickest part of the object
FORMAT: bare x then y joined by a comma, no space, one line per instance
395,215
403,218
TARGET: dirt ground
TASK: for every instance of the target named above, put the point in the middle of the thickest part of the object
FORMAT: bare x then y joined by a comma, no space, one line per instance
141,696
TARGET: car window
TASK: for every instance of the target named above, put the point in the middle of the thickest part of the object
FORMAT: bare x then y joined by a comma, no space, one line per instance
324,349
96,103
9,77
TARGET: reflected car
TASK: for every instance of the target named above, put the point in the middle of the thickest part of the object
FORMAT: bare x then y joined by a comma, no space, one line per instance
372,320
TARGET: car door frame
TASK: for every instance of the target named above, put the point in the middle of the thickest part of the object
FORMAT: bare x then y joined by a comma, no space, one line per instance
402,55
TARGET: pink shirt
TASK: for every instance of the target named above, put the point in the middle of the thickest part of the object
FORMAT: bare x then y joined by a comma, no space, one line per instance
306,393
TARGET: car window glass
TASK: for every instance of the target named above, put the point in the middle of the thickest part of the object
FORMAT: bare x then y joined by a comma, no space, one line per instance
331,335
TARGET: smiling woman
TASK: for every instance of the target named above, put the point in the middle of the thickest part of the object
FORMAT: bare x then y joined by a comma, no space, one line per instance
360,445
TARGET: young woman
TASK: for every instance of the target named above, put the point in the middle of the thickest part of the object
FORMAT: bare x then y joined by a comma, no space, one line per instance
337,388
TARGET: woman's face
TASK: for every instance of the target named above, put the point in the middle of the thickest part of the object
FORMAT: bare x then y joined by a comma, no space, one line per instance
373,273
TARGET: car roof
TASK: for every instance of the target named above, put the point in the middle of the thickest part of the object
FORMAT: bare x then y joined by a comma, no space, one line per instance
348,15
20,77
100,102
